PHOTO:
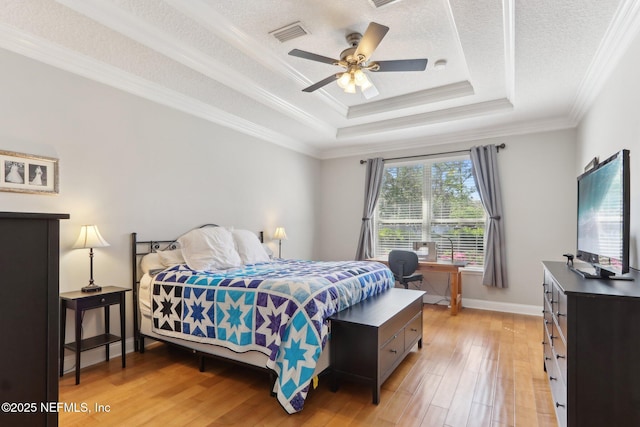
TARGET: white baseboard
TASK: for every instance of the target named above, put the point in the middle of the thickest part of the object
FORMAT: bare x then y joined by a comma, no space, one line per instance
96,355
506,307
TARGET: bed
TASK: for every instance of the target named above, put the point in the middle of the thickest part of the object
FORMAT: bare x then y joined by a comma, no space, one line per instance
216,291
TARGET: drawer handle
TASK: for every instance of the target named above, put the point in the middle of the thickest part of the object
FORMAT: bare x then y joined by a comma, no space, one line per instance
558,314
547,358
103,300
553,379
546,322
552,301
544,343
393,351
414,329
560,405
553,337
547,292
559,357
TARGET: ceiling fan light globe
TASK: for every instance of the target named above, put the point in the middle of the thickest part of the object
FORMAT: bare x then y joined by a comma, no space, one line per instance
351,87
359,76
343,80
365,84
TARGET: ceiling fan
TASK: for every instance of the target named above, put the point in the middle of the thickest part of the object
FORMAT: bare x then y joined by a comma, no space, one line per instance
355,60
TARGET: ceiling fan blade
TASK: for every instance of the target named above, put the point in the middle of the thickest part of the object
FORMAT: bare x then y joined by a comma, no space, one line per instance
312,56
371,39
402,65
321,83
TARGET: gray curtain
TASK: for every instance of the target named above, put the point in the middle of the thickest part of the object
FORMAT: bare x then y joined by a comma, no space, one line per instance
375,171
485,171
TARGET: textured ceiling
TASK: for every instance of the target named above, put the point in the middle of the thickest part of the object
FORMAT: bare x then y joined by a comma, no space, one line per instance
513,66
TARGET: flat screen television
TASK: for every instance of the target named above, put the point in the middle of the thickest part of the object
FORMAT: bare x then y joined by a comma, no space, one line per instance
603,218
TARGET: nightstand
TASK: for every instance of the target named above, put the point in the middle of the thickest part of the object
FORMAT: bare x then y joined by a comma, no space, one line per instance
82,301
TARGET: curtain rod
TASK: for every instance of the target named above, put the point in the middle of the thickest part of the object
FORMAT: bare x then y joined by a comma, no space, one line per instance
503,145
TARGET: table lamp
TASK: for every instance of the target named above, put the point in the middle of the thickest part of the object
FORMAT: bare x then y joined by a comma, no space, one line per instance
90,238
280,235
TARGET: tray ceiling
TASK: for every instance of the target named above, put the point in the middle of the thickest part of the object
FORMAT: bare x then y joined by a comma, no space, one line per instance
512,66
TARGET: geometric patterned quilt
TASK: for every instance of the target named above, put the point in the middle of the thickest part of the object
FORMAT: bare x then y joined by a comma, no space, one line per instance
279,308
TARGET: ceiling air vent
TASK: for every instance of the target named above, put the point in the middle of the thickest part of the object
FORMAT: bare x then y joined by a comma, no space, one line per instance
289,32
380,3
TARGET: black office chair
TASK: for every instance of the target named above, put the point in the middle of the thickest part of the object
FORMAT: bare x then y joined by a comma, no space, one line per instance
403,265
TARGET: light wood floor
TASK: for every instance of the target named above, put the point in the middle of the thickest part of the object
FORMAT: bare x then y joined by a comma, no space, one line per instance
476,369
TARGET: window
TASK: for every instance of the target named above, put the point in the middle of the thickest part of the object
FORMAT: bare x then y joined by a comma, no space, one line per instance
431,200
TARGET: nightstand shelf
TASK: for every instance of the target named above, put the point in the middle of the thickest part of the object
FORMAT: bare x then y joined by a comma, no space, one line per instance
82,301
93,342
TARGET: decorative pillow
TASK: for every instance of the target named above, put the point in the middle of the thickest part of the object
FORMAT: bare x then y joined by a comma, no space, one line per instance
249,247
209,248
151,262
171,257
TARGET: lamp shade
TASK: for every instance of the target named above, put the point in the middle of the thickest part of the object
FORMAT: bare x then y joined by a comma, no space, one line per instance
90,238
280,234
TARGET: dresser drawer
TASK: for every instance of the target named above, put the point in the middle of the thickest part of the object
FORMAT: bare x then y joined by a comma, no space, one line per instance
560,356
547,289
390,353
547,315
395,324
558,392
413,331
560,313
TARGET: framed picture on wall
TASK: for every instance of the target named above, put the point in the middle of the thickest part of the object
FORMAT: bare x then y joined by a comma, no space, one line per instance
26,173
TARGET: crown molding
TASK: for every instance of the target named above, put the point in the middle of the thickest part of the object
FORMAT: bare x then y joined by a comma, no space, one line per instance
623,30
200,12
60,57
437,94
499,131
424,119
117,19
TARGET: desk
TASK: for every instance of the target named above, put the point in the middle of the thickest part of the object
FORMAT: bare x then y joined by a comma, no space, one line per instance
441,267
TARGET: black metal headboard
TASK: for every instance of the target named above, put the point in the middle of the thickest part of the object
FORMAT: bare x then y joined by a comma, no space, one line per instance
140,248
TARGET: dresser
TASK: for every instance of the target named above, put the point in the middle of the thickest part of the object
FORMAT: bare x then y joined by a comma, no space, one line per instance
371,338
591,340
29,267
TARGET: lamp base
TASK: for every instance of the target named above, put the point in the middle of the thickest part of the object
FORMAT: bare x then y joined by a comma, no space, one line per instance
91,288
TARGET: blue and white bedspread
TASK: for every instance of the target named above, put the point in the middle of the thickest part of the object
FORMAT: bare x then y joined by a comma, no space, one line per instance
278,308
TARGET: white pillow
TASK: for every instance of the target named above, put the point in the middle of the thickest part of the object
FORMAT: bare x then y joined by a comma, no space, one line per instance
151,262
209,248
171,257
249,247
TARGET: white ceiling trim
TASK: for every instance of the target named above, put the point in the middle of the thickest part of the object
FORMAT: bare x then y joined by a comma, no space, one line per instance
424,119
427,96
220,26
119,20
616,41
44,51
502,131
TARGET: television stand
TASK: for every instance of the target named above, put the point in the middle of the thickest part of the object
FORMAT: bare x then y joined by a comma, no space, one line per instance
600,273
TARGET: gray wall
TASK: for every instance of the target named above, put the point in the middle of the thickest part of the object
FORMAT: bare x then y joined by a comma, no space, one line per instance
129,165
538,183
